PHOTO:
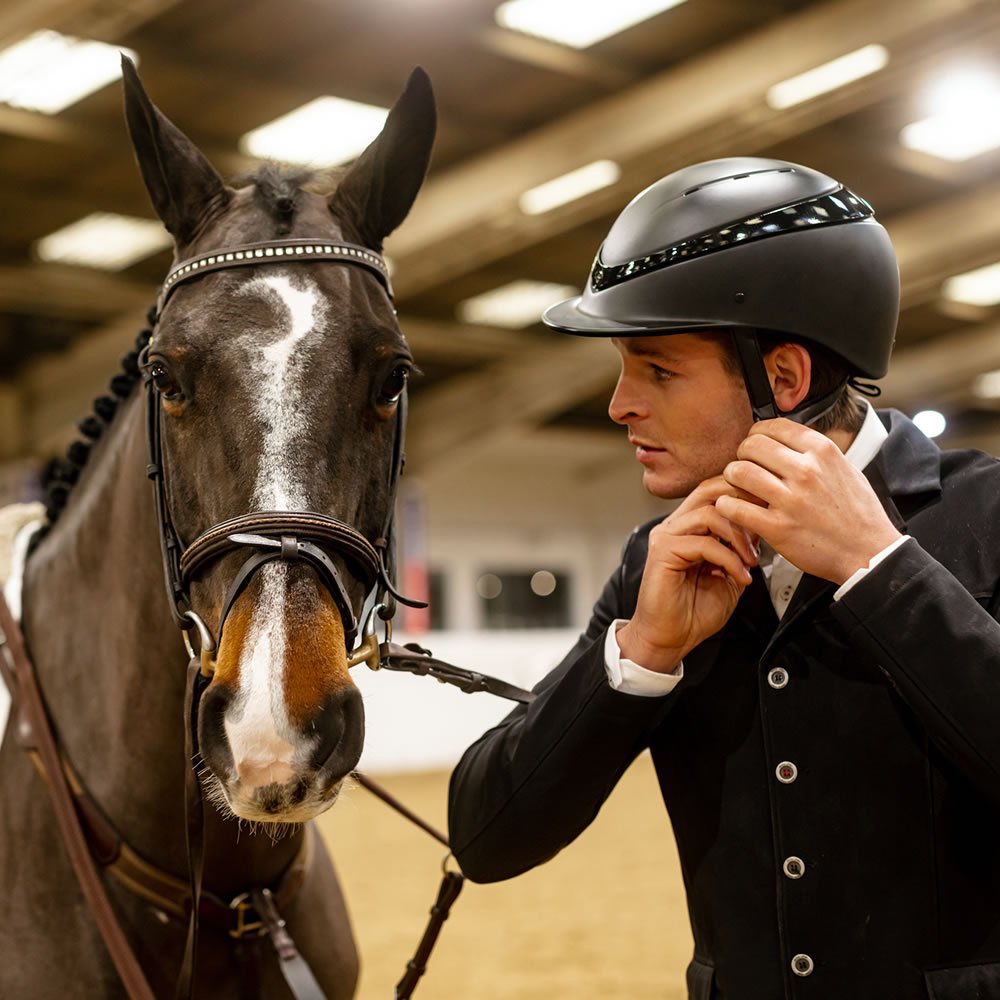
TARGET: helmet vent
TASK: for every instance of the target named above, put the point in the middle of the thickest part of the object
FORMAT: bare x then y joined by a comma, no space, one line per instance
738,177
831,209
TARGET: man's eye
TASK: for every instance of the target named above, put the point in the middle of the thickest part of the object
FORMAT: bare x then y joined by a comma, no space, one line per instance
393,386
661,374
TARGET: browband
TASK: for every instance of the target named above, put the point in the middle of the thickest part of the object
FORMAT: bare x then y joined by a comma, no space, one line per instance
256,253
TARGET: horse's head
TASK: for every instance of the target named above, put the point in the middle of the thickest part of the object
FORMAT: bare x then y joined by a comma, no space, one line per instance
279,385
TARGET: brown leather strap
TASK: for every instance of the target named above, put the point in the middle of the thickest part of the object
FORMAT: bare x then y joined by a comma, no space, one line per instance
194,816
28,697
390,800
304,524
297,974
451,886
414,659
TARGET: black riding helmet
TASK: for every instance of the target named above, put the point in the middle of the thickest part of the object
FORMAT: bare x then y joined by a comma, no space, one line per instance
747,244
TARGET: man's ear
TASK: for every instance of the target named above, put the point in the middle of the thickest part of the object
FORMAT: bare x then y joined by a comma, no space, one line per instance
789,367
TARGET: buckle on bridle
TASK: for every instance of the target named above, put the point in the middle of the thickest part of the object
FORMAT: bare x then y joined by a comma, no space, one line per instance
243,905
369,652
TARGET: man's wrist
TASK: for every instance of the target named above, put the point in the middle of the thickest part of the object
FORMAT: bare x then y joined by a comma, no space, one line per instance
660,659
861,559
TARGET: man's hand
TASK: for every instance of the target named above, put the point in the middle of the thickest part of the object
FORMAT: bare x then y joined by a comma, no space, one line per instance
696,569
821,513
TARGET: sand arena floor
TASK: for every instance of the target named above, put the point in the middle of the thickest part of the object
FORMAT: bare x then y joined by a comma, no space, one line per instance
605,919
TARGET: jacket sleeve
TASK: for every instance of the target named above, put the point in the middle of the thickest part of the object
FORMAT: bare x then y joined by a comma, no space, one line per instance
940,647
534,782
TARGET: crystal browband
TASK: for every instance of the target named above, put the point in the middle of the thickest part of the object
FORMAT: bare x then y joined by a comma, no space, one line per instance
260,253
827,209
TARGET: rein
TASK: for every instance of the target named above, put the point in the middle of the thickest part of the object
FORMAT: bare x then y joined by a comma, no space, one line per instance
306,537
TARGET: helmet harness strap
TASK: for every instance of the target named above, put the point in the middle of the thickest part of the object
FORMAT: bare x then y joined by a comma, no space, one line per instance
758,385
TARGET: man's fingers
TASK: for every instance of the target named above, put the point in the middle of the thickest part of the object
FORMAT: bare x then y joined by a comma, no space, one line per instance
757,520
706,493
795,436
755,480
708,521
690,550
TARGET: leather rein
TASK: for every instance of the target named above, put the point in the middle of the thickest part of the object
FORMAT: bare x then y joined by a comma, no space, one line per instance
306,537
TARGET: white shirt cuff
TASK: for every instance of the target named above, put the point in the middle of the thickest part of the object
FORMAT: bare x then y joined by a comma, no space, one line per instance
628,677
865,570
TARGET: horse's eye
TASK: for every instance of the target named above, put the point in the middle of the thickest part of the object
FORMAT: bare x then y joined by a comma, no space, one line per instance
393,386
165,383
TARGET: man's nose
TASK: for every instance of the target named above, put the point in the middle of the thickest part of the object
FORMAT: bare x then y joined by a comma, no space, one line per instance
625,404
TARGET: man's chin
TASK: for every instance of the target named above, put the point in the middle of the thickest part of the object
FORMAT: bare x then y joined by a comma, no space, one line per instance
665,486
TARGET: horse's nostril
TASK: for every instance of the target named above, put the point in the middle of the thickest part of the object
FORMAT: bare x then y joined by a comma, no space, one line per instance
341,724
211,727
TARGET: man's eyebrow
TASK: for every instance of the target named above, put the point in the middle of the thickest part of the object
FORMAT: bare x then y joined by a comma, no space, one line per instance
643,351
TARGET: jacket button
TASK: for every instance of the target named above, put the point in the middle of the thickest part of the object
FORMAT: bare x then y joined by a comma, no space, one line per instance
777,678
802,965
787,772
794,867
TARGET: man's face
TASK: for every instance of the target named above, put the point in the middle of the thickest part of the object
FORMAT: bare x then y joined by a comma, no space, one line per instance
685,412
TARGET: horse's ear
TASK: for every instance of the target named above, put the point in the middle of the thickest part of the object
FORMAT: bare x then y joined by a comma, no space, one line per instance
183,185
378,190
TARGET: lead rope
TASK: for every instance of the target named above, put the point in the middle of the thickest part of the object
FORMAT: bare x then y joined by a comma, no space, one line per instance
451,886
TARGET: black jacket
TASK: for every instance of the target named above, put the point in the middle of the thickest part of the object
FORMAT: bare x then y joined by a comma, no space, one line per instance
887,703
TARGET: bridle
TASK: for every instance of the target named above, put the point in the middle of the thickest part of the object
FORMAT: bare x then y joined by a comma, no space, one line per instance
306,536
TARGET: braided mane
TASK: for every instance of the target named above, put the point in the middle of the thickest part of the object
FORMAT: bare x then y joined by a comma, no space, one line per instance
62,473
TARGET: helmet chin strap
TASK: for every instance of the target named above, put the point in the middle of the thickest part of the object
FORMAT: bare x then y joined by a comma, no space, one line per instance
759,385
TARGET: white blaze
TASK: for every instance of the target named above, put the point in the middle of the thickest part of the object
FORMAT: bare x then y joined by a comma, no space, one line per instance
257,724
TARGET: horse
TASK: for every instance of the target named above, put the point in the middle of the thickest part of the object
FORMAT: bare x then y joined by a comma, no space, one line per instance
278,386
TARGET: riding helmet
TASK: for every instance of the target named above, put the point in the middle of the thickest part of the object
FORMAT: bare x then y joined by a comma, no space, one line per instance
745,244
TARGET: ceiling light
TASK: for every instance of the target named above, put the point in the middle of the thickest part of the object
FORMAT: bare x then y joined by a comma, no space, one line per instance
325,132
48,72
963,122
987,386
930,422
569,187
514,305
837,73
110,242
578,25
980,287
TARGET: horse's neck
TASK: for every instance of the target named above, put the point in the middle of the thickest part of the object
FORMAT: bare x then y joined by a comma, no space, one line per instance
111,662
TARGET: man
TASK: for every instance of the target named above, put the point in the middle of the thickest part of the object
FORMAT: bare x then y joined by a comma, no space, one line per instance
807,644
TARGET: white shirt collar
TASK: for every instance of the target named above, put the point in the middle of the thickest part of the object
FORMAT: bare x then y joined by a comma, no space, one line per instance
869,439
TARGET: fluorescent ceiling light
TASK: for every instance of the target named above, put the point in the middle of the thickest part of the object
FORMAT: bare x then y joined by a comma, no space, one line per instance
110,242
515,305
325,132
569,187
987,386
48,72
829,76
964,120
577,24
980,287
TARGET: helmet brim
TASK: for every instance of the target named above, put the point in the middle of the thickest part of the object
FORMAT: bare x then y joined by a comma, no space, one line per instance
568,317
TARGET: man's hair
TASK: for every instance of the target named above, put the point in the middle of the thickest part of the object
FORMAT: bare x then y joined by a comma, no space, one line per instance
828,371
